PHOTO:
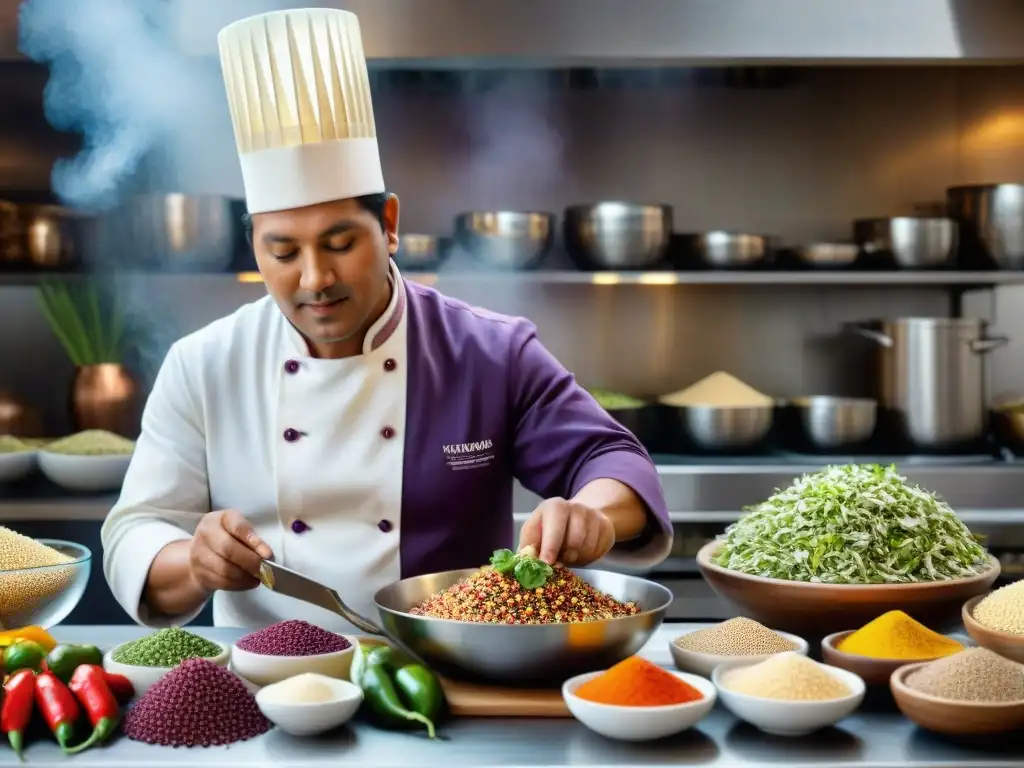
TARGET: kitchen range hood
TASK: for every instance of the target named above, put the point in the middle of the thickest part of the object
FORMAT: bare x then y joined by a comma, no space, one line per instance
626,33
622,33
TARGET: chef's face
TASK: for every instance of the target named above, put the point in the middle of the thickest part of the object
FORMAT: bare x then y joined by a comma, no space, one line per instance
326,266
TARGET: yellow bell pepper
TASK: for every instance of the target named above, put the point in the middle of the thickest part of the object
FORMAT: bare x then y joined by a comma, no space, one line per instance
35,634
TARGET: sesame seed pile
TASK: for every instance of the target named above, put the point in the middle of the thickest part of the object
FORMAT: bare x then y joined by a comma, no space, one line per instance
27,591
293,638
787,677
196,705
1003,610
736,637
976,674
166,648
490,597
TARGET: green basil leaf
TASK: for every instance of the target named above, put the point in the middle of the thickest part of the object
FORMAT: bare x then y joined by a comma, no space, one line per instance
503,560
531,573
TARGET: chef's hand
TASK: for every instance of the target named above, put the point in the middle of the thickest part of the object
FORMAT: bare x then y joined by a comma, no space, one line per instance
226,552
568,532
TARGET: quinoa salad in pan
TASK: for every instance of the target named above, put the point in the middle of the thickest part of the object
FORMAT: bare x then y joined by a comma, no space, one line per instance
520,589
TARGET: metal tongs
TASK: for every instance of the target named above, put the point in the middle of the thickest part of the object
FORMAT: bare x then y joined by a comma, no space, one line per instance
285,581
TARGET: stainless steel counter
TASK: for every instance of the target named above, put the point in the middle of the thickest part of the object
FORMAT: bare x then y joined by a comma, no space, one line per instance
878,739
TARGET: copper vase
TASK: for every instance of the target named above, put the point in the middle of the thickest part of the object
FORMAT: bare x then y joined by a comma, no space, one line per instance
105,397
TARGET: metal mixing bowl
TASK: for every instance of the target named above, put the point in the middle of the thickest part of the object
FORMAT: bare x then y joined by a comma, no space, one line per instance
835,422
505,239
828,255
716,428
913,242
991,218
529,655
722,250
617,236
421,252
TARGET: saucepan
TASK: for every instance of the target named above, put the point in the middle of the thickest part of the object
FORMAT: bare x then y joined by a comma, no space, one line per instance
537,655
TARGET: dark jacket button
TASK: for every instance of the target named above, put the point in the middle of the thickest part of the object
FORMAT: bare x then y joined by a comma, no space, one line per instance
390,364
291,435
299,527
385,526
387,433
291,366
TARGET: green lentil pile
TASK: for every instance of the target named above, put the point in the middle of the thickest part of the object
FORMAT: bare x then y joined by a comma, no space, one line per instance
166,648
92,442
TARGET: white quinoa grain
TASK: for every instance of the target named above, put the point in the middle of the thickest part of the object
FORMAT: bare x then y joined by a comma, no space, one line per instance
23,591
1003,610
787,677
735,637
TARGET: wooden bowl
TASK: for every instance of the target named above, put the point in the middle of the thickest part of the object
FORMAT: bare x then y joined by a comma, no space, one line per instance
1006,645
873,671
953,718
814,610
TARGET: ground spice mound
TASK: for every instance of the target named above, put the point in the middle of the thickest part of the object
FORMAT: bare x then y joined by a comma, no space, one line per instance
637,682
787,677
26,591
895,635
494,598
735,637
293,638
1003,610
196,705
976,674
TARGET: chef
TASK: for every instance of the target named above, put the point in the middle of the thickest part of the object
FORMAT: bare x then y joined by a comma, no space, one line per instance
351,425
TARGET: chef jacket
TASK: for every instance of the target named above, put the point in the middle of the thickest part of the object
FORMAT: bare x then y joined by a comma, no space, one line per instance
361,471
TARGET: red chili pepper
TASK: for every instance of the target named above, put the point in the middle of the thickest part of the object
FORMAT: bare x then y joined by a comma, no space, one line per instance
16,713
58,706
90,687
120,686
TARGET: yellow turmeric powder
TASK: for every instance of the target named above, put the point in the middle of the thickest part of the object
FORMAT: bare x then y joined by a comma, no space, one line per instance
895,635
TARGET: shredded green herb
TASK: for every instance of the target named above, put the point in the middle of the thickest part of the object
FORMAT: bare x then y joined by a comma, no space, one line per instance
852,524
529,571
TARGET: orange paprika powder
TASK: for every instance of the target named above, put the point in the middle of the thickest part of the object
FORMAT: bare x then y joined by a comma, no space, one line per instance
637,682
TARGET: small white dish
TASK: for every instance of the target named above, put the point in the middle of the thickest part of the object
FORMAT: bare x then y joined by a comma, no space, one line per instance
17,466
789,718
639,723
704,663
84,473
316,718
144,678
263,670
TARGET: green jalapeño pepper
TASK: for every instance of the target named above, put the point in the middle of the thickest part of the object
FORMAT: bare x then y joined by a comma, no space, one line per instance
417,685
65,659
382,695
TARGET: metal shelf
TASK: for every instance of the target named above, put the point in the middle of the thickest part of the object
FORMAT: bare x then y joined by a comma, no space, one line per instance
549,277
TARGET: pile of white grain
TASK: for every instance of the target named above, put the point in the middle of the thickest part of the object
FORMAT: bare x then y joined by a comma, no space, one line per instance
24,590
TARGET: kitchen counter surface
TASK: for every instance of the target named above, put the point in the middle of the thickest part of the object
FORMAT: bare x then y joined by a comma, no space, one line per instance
875,737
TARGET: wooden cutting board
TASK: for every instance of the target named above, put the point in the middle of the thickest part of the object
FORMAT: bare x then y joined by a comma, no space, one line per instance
471,700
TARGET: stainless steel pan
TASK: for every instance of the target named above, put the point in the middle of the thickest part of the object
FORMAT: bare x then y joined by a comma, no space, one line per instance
530,655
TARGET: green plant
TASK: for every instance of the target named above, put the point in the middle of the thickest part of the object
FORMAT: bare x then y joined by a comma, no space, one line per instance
89,334
529,571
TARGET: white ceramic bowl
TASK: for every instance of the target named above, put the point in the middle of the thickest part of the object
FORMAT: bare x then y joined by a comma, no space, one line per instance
789,718
84,473
705,663
267,670
312,719
144,678
639,723
17,466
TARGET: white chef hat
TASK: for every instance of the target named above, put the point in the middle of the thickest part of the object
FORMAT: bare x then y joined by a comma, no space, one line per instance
299,94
